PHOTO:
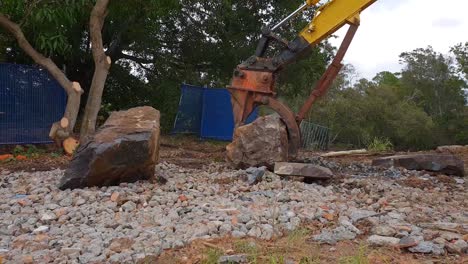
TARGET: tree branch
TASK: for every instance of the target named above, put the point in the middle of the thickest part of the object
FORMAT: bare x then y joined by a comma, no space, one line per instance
135,59
63,128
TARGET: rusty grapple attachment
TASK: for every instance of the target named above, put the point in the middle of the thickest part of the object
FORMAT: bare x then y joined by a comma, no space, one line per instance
254,80
252,88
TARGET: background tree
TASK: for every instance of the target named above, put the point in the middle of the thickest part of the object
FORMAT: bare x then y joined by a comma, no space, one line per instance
102,64
461,55
33,13
430,80
420,107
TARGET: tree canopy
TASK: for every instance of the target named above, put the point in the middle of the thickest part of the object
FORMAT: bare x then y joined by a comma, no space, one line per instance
422,106
156,45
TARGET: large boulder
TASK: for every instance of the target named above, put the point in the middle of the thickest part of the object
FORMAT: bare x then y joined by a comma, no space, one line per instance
447,164
261,143
124,149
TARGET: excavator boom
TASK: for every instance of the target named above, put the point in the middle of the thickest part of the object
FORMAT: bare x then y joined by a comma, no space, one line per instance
333,16
254,80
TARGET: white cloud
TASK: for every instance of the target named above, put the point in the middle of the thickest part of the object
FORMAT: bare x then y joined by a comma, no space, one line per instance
391,27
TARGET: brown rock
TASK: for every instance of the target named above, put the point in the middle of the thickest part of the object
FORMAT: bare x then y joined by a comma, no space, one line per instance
452,149
42,238
447,164
24,202
261,143
450,236
302,170
115,197
60,212
121,244
328,216
124,149
234,220
20,242
28,259
183,198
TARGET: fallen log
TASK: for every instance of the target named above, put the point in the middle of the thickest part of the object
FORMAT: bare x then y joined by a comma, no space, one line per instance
344,153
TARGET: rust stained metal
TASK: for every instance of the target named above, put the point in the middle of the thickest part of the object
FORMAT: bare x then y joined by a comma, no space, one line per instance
330,74
254,82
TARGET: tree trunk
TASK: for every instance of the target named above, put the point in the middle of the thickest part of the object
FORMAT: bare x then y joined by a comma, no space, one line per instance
63,128
102,66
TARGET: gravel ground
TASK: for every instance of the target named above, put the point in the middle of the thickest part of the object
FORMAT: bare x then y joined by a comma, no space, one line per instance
123,224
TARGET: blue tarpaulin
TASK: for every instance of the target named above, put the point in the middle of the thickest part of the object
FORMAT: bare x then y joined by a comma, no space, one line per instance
30,102
206,112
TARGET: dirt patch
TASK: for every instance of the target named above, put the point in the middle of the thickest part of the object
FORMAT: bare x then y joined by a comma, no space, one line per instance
191,152
416,182
30,158
446,179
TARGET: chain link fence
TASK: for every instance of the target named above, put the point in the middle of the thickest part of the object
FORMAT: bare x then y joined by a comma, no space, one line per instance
314,137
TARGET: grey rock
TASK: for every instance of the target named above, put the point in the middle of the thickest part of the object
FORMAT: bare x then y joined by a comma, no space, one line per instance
255,232
233,259
382,241
267,232
238,234
255,175
201,231
80,201
47,217
65,202
70,251
448,164
384,230
326,237
425,247
225,228
458,247
129,206
331,237
41,229
243,218
407,242
357,215
438,249
350,227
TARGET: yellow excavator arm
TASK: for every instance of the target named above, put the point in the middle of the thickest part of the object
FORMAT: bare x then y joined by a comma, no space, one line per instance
332,16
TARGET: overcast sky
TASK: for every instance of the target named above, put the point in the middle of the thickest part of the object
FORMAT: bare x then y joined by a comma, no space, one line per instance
390,27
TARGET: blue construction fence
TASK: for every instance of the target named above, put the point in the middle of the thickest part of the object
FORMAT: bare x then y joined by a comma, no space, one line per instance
30,102
206,112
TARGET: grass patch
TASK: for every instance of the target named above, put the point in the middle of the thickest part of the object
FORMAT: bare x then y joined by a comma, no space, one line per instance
277,259
29,151
379,145
249,248
361,257
293,246
298,235
212,256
